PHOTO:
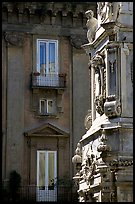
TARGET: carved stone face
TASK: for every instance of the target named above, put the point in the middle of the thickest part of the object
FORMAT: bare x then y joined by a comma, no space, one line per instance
97,60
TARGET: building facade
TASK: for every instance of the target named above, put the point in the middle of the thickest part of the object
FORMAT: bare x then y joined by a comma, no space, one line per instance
104,155
45,81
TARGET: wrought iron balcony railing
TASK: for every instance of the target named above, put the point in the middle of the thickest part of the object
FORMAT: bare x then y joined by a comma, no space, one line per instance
34,193
49,80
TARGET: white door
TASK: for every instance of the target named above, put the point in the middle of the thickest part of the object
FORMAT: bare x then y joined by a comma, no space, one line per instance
46,176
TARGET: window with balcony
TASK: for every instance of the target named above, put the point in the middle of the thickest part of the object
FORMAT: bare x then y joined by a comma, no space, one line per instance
47,57
47,70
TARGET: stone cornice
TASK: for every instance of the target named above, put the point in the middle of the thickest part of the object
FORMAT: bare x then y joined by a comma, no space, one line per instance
54,7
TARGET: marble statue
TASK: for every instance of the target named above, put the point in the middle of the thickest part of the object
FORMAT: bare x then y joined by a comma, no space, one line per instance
92,24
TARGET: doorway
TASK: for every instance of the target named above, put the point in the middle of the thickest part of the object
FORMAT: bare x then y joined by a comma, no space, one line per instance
46,175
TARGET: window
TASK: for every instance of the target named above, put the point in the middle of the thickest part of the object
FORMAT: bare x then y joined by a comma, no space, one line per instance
46,106
49,106
47,56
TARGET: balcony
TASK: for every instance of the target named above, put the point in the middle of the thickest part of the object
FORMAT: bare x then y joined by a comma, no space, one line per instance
56,81
32,193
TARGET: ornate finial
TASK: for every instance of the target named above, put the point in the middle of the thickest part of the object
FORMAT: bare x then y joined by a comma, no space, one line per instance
77,157
78,149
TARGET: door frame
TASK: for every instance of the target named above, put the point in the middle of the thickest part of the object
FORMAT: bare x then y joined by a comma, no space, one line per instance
51,193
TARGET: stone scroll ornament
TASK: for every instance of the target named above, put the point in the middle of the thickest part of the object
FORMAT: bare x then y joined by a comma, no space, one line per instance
97,63
92,25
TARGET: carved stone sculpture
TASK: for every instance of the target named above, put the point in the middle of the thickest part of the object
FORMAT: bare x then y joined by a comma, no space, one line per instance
112,106
103,146
92,24
77,160
104,10
97,63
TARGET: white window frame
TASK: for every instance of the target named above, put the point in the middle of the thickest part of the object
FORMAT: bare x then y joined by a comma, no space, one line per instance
40,108
46,106
47,41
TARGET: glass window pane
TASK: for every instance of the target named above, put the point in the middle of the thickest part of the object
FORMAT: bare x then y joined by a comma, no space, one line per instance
51,170
41,169
42,57
42,106
51,58
50,106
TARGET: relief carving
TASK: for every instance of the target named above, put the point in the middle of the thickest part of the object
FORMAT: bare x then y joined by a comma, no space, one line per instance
104,10
14,38
88,167
117,163
99,102
88,120
97,63
82,195
92,25
112,107
103,146
112,65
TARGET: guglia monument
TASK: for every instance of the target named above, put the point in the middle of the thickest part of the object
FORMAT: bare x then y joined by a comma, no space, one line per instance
103,158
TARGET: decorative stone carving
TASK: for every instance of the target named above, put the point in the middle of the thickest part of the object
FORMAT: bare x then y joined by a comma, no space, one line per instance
14,38
92,24
112,65
89,170
77,160
104,10
97,63
103,146
88,166
82,195
112,107
88,120
121,163
99,102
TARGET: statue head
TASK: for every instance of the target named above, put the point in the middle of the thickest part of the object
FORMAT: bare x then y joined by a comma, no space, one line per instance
89,14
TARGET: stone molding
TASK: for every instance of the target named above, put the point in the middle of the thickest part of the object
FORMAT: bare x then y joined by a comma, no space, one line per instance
43,7
121,163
